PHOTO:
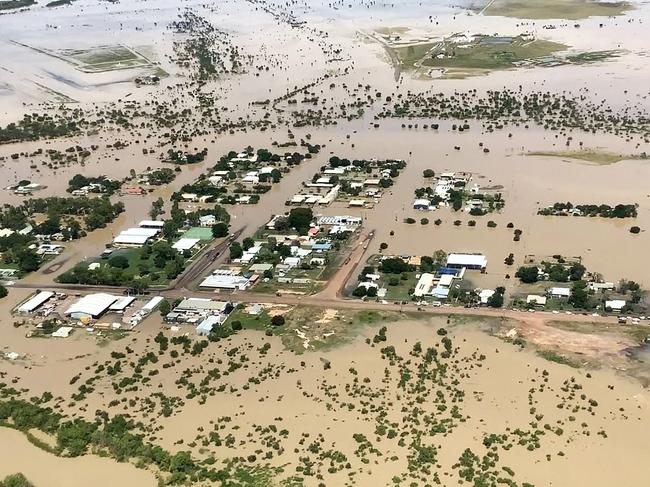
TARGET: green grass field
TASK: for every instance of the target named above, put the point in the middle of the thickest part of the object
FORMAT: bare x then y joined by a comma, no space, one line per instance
203,233
551,9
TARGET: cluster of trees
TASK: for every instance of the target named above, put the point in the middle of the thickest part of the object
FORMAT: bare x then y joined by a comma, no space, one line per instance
35,127
395,265
181,158
605,211
109,186
154,262
161,176
15,250
96,212
115,437
557,272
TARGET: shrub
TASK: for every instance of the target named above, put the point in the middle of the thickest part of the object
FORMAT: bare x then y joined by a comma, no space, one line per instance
635,230
278,320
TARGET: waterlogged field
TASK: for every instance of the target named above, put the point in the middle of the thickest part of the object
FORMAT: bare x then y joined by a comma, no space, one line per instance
406,401
551,9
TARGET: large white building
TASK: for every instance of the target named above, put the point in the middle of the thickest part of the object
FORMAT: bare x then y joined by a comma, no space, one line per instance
469,261
91,306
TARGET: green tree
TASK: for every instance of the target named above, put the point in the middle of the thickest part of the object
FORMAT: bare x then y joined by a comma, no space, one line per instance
220,230
165,308
236,250
527,274
119,262
3,291
300,219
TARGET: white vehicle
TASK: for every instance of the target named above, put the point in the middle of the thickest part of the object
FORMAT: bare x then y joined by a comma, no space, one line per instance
556,312
436,304
568,312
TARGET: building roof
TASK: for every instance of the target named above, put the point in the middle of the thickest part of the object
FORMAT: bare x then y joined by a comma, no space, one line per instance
224,282
185,244
534,298
207,324
422,202
261,267
153,303
615,304
122,303
150,232
151,223
424,284
131,239
200,304
92,304
485,294
468,260
446,280
35,301
560,291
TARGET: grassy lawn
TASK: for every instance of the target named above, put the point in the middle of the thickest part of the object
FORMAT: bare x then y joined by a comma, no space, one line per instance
401,291
551,9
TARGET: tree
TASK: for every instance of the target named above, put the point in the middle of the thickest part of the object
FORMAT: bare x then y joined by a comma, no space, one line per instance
3,291
156,208
277,320
119,262
248,243
236,325
428,173
27,260
635,230
164,308
220,230
360,292
579,295
300,219
496,300
372,292
383,246
236,250
528,274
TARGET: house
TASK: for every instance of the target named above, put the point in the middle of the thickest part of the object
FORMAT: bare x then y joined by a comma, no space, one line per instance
601,286
560,292
134,190
91,306
421,204
485,295
321,246
183,244
215,180
189,197
356,203
49,249
469,261
371,182
207,220
615,304
536,300
292,261
62,332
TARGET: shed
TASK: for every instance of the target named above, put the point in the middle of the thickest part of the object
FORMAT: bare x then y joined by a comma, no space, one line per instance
205,327
35,302
560,292
421,204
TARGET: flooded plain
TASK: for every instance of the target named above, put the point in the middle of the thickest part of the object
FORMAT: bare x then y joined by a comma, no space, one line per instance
315,71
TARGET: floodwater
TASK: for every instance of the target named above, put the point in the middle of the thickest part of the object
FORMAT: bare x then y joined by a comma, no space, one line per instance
46,470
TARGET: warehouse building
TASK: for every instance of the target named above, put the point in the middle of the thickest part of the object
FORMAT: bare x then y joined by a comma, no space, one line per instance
469,261
91,306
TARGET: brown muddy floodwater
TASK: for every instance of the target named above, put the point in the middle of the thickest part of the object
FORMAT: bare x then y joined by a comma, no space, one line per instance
46,470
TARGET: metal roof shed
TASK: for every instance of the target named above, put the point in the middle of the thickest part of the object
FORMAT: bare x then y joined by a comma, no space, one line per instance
91,305
35,301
